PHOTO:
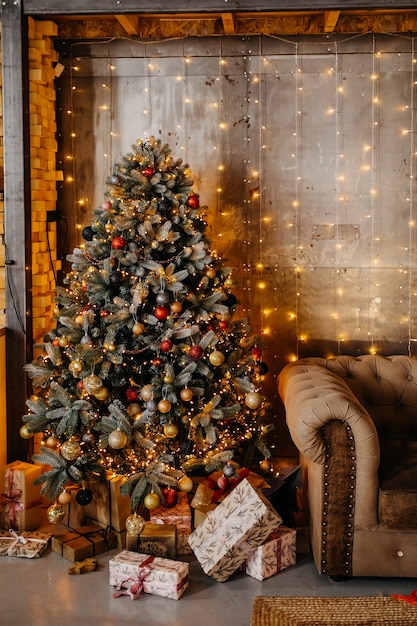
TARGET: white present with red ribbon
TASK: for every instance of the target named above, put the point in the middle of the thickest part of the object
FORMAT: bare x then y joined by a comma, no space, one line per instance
20,498
275,554
133,573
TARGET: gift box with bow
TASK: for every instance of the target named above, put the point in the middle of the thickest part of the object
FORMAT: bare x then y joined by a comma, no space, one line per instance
132,572
28,545
20,498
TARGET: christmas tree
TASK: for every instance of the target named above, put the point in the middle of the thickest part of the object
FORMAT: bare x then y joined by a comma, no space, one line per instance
147,373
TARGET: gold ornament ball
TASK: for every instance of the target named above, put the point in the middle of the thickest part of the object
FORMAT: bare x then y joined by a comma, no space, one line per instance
253,400
138,329
52,442
210,272
216,357
133,409
102,394
79,320
70,450
170,431
55,513
186,394
64,497
117,439
146,393
24,432
185,484
92,383
134,524
176,306
164,406
63,341
151,501
229,282
110,346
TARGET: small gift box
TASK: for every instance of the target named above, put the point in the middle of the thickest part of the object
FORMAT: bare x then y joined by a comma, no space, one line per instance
28,545
20,499
83,542
180,516
232,531
155,539
274,555
109,508
132,572
74,512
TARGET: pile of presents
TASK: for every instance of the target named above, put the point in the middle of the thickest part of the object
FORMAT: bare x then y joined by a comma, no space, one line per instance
226,530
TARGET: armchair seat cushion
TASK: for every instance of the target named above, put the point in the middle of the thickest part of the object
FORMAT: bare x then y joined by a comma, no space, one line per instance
397,501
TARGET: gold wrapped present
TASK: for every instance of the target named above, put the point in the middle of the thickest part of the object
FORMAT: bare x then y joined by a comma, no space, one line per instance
28,545
132,572
232,531
156,539
20,498
201,512
274,555
83,542
180,516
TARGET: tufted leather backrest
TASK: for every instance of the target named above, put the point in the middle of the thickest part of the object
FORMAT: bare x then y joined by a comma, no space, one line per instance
385,386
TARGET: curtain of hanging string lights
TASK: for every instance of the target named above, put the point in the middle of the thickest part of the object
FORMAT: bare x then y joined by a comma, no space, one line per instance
304,152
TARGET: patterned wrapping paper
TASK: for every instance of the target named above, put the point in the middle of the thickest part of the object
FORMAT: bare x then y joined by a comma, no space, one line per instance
28,545
180,516
83,543
201,512
155,539
232,531
159,577
274,555
20,499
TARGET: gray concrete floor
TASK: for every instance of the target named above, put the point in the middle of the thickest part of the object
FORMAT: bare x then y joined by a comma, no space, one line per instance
39,592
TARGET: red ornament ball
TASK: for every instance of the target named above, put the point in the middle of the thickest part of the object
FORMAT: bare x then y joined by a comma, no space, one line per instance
132,394
157,361
149,171
118,242
170,497
256,353
106,206
196,352
223,324
161,313
193,202
222,482
166,345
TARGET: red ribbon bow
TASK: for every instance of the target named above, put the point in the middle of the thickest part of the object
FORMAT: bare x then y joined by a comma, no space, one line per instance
135,589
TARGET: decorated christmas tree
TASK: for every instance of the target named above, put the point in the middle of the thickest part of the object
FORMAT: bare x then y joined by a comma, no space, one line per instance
146,373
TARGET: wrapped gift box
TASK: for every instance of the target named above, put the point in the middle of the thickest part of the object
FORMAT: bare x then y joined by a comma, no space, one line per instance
274,555
157,576
83,542
156,539
201,513
108,507
28,545
180,516
20,499
74,512
232,531
208,491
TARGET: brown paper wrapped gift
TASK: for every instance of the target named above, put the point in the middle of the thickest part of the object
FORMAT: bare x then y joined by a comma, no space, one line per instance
157,539
232,531
28,545
108,507
20,498
83,542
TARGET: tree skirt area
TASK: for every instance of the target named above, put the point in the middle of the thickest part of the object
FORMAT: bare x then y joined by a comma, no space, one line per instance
362,611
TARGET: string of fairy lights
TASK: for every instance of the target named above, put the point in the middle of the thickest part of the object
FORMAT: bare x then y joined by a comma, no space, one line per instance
361,307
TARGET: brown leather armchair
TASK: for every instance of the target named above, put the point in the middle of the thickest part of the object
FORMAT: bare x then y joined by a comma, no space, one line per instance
354,422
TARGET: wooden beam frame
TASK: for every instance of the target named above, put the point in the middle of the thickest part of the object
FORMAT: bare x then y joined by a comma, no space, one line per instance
17,220
330,20
130,23
96,7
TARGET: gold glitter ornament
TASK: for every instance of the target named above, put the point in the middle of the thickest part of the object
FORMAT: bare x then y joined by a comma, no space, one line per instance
55,513
117,439
170,430
24,432
134,524
92,383
71,449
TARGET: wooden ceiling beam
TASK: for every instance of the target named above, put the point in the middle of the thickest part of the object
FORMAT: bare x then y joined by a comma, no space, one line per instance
330,20
129,22
229,23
